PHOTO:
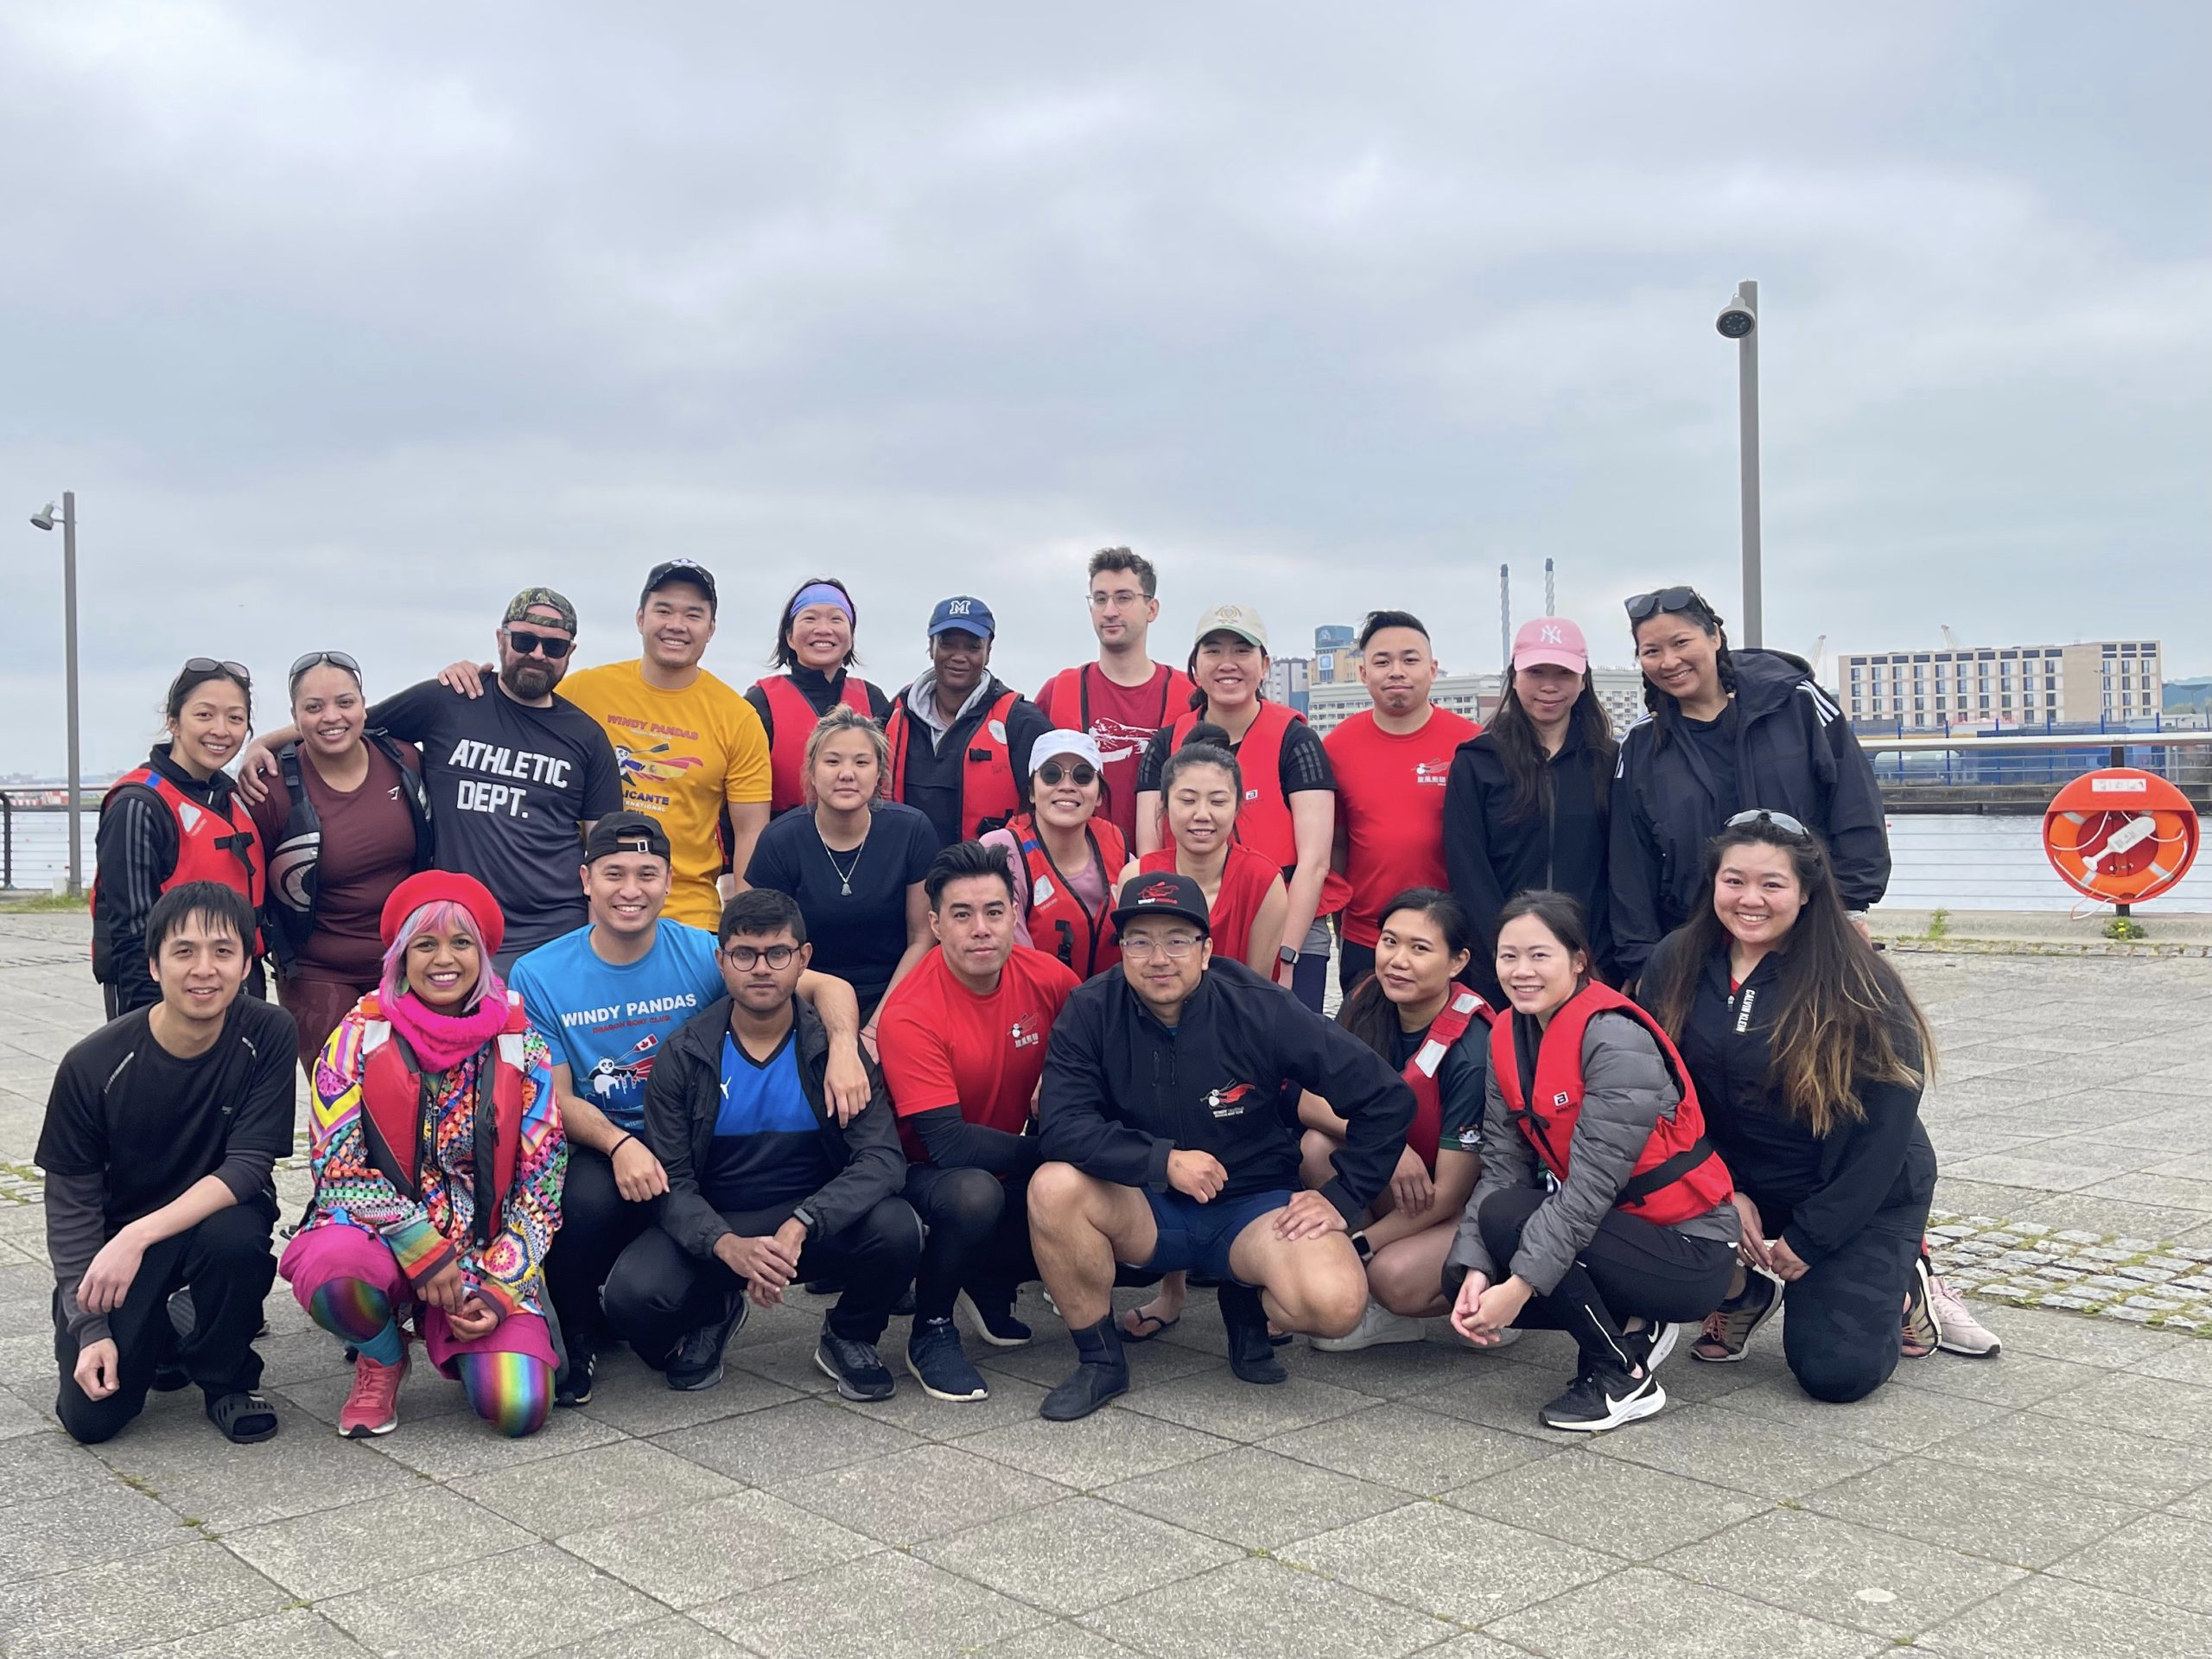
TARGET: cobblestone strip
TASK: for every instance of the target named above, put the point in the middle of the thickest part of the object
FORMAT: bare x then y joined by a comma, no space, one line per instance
1951,947
2029,1265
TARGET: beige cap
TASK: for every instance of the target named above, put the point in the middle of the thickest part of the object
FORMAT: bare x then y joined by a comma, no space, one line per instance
1239,620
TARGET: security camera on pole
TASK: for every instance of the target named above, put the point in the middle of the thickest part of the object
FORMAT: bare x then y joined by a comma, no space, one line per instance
1740,321
43,519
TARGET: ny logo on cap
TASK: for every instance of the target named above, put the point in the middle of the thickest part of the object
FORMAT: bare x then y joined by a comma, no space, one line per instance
1551,637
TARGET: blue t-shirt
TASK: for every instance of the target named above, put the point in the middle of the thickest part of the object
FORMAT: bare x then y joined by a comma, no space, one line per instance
606,1023
767,1148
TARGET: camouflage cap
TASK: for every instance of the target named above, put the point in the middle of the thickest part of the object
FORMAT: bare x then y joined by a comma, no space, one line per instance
543,599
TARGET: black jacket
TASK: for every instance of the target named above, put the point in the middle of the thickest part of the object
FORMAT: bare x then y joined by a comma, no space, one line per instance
1121,1091
1831,1187
1795,753
684,1095
1491,854
932,782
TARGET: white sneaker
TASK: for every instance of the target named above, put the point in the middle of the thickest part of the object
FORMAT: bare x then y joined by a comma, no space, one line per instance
1377,1325
1957,1330
1506,1339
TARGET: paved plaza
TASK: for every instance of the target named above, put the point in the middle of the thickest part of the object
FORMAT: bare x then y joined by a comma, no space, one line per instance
2056,1500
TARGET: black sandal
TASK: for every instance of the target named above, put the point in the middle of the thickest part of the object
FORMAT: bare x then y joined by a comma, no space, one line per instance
1159,1327
245,1418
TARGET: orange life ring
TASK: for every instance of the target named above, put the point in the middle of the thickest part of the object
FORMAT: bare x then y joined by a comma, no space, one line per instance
2120,835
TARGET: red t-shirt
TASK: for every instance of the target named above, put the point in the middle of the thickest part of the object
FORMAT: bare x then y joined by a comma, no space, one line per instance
941,1044
1121,719
1390,806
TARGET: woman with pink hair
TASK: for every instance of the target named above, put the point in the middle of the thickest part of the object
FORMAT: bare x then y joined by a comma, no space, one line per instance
438,1161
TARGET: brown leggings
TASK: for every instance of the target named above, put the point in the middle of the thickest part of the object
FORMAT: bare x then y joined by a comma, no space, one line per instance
316,1006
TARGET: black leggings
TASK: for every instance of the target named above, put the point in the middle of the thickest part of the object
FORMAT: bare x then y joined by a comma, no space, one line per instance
1631,1268
1354,963
597,1224
657,1291
978,1236
1844,1320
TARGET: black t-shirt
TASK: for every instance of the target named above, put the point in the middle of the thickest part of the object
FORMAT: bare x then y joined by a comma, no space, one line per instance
511,787
1302,763
1714,740
1462,1083
860,937
126,1109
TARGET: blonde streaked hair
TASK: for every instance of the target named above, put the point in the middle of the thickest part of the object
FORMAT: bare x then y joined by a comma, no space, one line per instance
836,723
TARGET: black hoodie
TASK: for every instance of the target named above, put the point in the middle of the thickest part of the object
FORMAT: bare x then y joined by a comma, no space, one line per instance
1795,752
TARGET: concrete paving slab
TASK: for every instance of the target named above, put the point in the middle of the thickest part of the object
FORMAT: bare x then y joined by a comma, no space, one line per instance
1675,1619
1980,1511
133,1603
2163,1558
1077,1554
455,1611
767,1447
928,1492
1100,1450
335,1552
1450,1563
596,1487
1606,1504
705,1552
1262,1606
2045,1617
1406,1447
1254,1498
887,1605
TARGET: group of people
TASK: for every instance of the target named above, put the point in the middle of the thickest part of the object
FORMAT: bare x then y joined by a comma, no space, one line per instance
628,1002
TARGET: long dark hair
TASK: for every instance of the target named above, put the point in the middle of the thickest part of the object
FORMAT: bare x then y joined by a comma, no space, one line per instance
784,656
1561,913
1665,711
1368,1014
1513,734
1845,1019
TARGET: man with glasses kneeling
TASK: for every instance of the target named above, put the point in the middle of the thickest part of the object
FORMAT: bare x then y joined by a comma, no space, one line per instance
1158,1114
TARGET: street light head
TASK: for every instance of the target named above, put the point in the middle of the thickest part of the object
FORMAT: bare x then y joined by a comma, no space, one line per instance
44,516
1736,318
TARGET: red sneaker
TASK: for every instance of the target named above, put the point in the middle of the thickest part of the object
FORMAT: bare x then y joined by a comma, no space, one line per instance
372,1406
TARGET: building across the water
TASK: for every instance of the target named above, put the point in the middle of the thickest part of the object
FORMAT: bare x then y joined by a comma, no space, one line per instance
1475,695
2081,684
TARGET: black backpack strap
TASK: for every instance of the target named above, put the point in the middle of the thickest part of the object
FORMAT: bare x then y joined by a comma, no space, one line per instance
1667,1173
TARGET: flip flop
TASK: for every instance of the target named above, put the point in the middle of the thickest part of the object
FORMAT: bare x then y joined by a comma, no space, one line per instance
1160,1326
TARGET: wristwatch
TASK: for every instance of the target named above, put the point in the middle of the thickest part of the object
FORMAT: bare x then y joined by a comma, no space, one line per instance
1287,956
1359,1243
806,1218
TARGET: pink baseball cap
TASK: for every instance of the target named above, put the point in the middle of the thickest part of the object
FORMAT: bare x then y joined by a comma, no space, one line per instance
1551,640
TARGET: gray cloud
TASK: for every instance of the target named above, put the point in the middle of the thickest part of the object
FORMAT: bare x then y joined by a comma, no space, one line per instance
344,324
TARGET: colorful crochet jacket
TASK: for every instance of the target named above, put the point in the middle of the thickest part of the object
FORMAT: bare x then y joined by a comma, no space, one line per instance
350,1191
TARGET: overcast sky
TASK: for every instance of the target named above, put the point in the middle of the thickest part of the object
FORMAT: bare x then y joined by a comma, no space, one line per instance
344,323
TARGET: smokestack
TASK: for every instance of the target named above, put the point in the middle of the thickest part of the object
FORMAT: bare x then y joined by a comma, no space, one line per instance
1504,615
1551,604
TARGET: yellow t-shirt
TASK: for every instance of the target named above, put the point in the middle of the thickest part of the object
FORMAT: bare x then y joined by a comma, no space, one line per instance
682,754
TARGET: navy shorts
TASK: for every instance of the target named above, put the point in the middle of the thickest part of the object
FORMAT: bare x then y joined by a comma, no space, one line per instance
1196,1237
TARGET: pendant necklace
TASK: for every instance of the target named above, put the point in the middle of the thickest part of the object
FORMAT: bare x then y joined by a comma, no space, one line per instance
845,872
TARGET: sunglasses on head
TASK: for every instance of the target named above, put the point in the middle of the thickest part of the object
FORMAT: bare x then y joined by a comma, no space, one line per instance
213,666
522,643
317,658
1761,816
1051,771
1673,601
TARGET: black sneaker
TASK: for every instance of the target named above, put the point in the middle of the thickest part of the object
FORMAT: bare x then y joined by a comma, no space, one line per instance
1604,1396
697,1361
572,1387
1101,1373
1251,1351
1649,1346
993,1321
933,1356
856,1367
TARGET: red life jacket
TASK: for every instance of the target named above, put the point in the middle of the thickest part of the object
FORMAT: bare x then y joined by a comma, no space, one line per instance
1677,1175
1427,1128
793,720
989,794
1263,822
222,847
395,1094
1059,921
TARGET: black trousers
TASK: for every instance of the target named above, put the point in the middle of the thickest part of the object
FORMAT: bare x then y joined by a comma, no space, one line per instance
1629,1270
226,1262
658,1291
597,1224
1354,963
1843,1322
978,1238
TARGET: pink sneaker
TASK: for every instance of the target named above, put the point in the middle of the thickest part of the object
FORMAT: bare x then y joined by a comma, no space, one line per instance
372,1406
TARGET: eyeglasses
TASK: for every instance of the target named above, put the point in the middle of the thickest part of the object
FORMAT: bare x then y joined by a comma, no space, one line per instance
1175,946
317,658
1122,596
1667,599
553,649
1781,821
212,666
1051,771
744,957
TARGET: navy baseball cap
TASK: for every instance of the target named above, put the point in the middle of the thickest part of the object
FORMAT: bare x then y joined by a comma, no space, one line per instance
968,615
1165,894
680,571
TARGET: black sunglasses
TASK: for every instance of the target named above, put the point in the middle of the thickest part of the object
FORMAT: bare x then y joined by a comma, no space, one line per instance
1051,771
1760,815
317,658
552,650
213,665
1670,599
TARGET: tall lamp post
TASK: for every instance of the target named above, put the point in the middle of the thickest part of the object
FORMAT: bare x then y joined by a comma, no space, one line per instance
44,520
1740,321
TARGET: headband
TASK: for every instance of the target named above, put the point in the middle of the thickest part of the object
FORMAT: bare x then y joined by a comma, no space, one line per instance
820,592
